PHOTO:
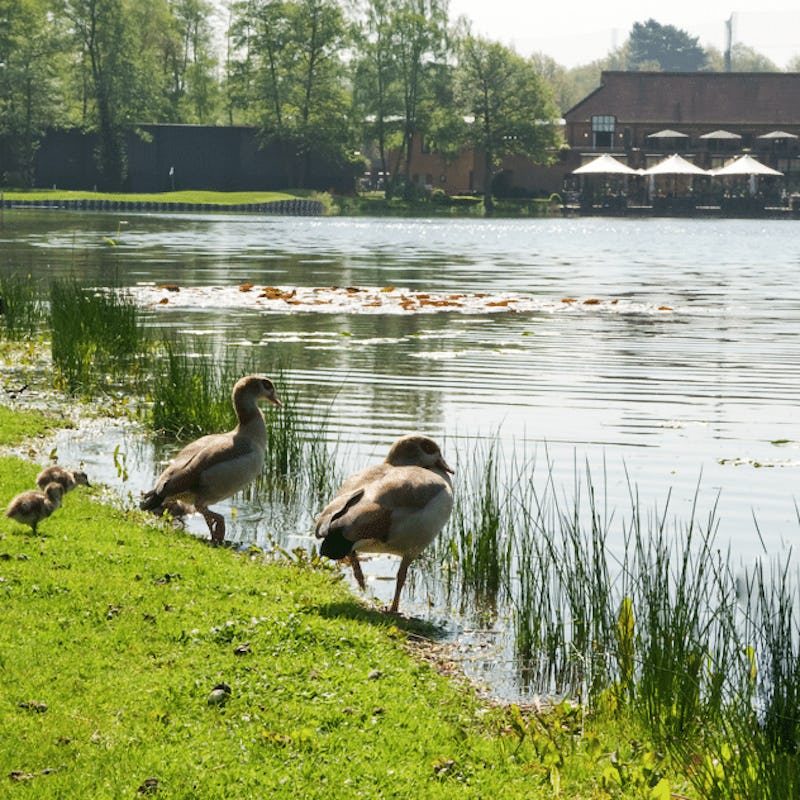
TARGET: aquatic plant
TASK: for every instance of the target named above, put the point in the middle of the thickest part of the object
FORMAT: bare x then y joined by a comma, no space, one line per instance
477,540
22,307
190,392
664,627
96,336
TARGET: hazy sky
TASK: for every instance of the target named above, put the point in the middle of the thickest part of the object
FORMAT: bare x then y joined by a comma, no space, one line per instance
577,33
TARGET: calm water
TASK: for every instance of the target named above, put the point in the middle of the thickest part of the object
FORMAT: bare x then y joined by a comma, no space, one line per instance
683,369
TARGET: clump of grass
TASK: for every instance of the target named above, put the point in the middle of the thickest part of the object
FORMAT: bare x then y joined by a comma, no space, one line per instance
478,540
707,661
191,393
96,336
563,608
22,307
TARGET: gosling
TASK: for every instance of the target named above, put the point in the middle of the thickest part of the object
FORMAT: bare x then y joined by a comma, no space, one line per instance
68,479
31,507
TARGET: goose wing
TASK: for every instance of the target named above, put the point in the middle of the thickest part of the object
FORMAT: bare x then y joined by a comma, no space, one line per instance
212,464
373,509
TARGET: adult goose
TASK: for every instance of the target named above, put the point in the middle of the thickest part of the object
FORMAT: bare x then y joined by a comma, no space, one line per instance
31,507
395,507
219,465
68,479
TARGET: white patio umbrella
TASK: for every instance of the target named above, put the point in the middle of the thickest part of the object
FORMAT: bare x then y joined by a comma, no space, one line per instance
778,135
744,165
721,134
604,165
748,166
673,165
668,133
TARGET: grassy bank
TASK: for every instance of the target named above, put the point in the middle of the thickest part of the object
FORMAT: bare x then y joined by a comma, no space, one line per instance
364,204
226,198
116,633
438,204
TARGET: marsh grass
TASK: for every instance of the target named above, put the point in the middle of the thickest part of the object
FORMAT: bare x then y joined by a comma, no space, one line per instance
666,627
191,392
477,546
23,307
97,337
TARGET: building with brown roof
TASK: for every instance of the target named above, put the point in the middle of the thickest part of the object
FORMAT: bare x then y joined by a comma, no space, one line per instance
706,116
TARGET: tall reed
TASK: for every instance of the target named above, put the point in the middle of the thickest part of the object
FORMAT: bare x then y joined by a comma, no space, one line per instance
191,393
708,659
477,541
96,336
22,307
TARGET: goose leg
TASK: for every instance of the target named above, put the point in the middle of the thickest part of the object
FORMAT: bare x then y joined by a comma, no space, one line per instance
400,581
357,573
215,522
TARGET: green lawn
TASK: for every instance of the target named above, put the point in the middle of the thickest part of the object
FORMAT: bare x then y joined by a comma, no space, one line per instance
228,198
115,633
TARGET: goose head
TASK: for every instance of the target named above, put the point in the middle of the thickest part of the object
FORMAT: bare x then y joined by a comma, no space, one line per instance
54,492
417,451
249,390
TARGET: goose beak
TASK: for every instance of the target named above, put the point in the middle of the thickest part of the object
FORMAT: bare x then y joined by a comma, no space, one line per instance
274,400
442,464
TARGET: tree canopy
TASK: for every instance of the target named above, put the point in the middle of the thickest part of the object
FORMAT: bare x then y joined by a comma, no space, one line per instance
508,106
665,47
321,79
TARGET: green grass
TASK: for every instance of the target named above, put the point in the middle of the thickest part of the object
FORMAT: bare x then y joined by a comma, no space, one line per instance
114,635
17,426
96,336
22,307
198,196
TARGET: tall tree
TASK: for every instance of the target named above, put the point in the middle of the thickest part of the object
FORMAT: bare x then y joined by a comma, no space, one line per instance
376,96
512,109
119,42
403,52
291,75
190,63
664,47
31,57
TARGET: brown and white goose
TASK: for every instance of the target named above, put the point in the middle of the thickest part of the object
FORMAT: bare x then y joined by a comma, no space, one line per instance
219,465
68,479
31,507
395,507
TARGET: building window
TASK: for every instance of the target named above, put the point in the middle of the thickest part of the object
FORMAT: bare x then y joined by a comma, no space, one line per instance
603,130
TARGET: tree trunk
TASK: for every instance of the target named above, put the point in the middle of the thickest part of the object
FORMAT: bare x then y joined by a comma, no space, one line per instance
488,200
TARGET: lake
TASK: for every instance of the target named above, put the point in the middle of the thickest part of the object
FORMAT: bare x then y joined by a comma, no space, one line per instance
661,354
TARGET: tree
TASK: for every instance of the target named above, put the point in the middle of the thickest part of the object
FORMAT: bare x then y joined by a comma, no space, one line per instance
512,109
376,96
31,57
289,72
664,47
401,77
189,63
119,42
420,46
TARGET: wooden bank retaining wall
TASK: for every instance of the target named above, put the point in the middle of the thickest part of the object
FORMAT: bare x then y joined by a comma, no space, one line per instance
294,208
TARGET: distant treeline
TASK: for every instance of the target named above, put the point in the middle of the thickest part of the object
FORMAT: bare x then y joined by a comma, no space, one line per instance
320,81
